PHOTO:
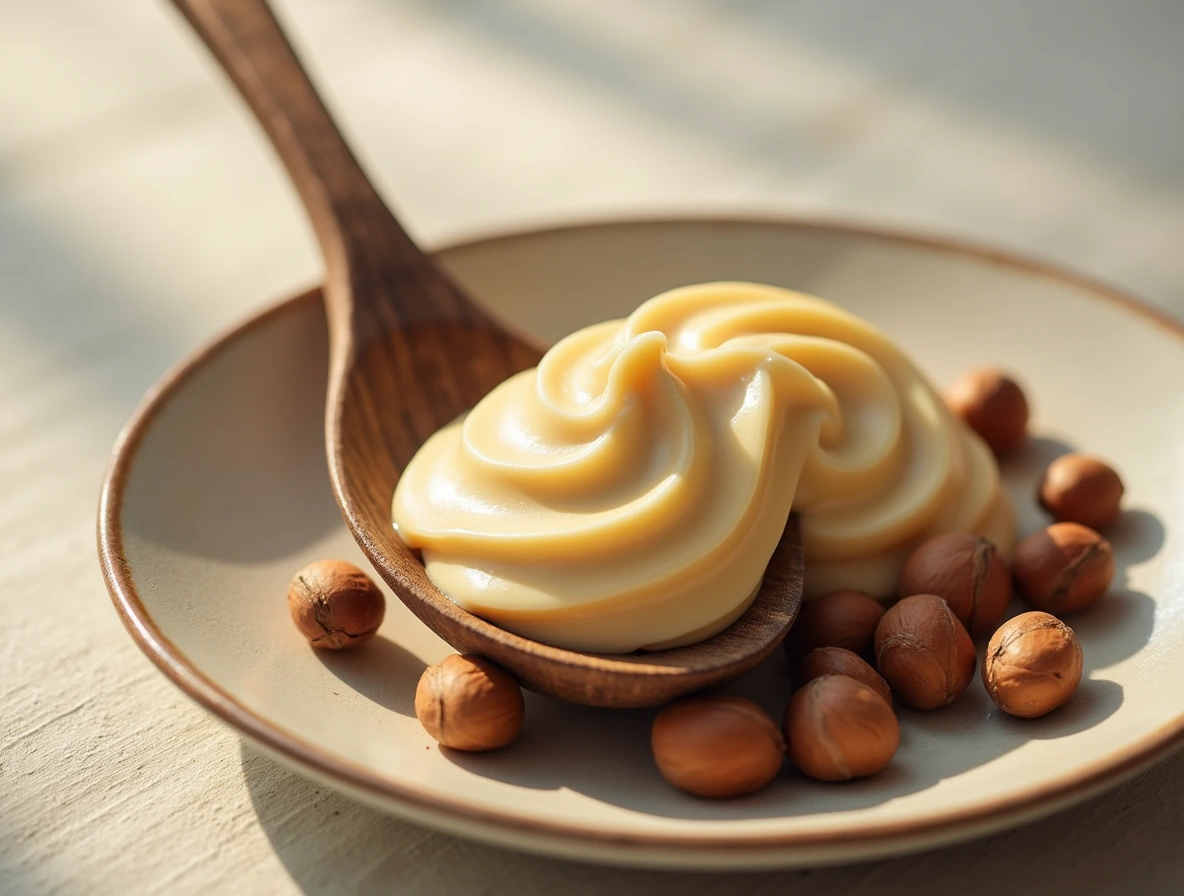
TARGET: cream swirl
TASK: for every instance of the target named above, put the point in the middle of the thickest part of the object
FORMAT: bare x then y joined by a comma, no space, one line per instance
628,492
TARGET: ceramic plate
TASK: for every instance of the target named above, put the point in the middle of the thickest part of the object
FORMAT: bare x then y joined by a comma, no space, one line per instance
218,493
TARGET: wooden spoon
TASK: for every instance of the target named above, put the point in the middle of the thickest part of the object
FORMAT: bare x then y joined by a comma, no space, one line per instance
408,353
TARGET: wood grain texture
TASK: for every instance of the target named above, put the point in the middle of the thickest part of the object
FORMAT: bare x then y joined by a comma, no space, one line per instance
113,782
409,352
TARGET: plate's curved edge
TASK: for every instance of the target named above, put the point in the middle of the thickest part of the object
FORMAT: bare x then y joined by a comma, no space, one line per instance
748,850
1004,256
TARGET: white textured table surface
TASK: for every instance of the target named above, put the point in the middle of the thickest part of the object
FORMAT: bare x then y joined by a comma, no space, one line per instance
140,211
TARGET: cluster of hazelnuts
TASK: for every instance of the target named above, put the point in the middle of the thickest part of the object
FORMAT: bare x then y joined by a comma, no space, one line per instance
840,722
852,655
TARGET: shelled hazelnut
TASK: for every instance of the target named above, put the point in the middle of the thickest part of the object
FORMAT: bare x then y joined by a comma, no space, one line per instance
837,661
1033,665
1063,568
846,619
993,405
716,746
468,703
839,728
1077,488
335,605
967,572
924,652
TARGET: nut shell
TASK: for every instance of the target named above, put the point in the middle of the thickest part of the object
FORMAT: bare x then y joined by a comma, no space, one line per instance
839,728
993,405
1063,568
1077,488
924,652
716,746
335,605
837,661
967,572
845,618
1033,665
467,703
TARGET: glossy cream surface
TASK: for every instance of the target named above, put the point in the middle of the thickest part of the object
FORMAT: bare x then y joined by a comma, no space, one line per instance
628,492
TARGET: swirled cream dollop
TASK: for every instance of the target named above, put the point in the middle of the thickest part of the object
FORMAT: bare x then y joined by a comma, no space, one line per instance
629,491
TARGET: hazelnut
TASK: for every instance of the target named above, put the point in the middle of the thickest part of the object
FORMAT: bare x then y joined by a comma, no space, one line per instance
844,619
716,746
1033,665
839,728
1064,568
335,604
924,652
837,661
468,703
967,572
993,405
1080,489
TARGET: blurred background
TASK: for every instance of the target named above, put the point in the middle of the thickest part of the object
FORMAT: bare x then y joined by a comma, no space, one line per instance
141,211
140,208
138,200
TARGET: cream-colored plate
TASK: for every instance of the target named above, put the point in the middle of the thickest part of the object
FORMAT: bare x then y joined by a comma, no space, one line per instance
218,493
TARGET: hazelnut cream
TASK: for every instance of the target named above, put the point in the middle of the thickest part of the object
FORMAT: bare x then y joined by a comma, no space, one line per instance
628,492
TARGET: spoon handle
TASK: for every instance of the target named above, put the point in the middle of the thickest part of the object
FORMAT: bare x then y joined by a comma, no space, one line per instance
376,277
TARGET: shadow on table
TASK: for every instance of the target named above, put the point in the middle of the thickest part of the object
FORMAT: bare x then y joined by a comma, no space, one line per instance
331,844
1010,64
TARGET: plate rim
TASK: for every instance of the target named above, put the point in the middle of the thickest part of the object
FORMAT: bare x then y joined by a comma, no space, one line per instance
980,818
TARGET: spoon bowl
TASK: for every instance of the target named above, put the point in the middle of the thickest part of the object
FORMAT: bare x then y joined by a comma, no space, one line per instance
409,352
366,460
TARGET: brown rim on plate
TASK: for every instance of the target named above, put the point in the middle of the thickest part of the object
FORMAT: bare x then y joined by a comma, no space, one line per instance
984,816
